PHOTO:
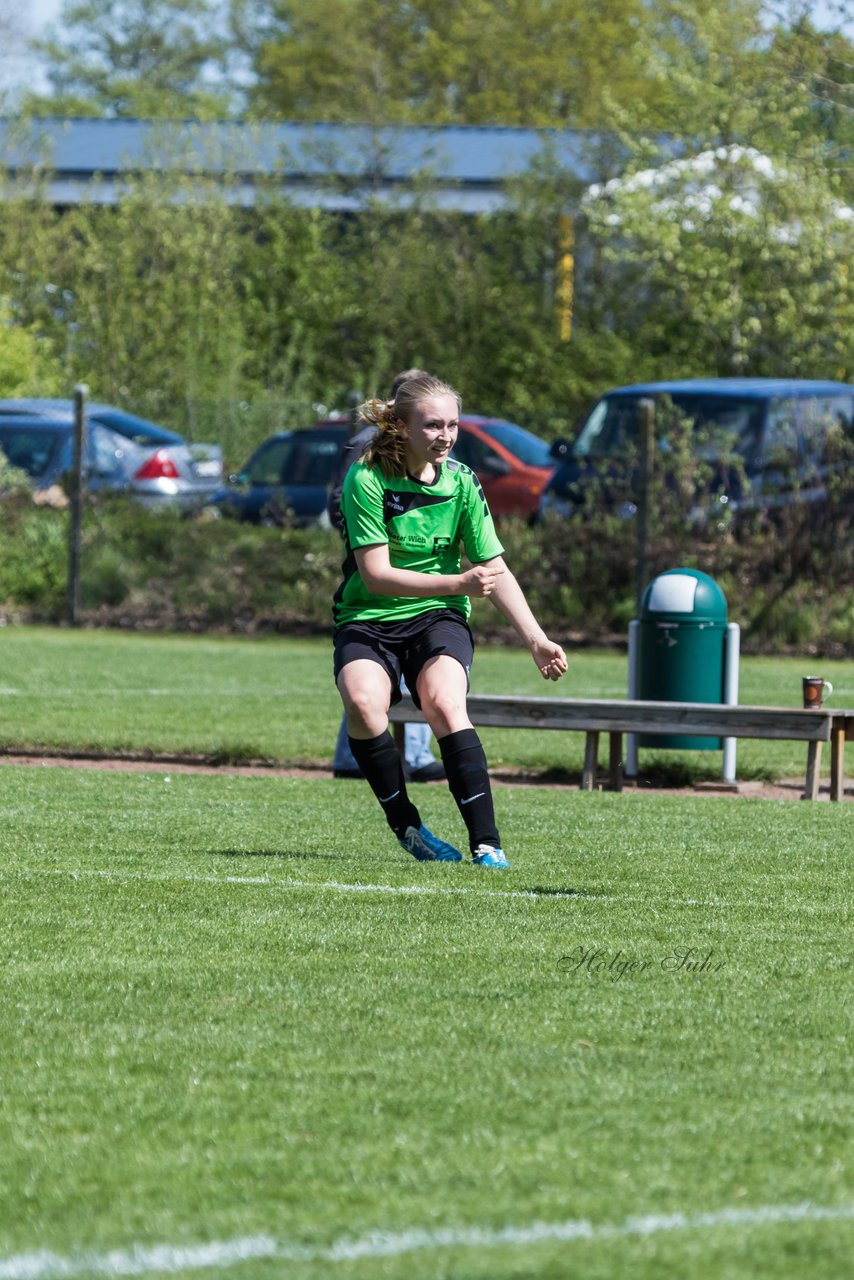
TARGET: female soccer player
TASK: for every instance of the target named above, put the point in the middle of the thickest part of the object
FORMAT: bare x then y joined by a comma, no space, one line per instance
408,511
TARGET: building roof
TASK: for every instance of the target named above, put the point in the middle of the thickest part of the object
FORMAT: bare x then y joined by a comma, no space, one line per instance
321,165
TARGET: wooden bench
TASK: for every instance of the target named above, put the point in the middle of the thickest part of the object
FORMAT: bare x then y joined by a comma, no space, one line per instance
594,716
842,728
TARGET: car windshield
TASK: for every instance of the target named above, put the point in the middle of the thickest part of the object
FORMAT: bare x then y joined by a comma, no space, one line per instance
28,449
722,424
523,444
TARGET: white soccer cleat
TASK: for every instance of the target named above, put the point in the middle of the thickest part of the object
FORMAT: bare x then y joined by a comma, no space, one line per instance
486,855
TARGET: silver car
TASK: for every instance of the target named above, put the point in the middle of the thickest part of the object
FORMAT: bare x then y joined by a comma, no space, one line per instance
124,453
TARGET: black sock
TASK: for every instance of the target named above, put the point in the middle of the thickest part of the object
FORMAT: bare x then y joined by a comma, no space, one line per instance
465,764
380,762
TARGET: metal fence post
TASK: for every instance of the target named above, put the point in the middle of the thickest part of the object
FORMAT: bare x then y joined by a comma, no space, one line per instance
646,416
78,494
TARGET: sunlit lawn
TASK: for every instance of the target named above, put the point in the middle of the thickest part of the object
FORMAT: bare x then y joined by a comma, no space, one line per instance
235,1014
275,699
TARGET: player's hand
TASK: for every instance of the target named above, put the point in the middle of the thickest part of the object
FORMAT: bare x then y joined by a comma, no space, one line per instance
550,659
481,580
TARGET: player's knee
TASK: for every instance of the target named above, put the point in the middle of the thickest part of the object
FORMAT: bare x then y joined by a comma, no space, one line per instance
364,707
445,713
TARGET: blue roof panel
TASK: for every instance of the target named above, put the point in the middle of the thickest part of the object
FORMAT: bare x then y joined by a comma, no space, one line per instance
466,154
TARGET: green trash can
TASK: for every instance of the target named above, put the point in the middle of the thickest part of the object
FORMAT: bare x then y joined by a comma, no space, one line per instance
681,646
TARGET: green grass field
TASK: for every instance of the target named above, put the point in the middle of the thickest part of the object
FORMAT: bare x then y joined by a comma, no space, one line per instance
235,699
243,1034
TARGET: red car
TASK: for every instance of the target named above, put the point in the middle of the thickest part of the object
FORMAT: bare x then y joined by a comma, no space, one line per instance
512,464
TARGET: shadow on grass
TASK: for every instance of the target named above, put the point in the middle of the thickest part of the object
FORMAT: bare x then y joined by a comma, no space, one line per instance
558,891
680,773
289,855
659,772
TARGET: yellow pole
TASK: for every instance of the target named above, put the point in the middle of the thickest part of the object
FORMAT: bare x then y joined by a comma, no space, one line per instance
565,273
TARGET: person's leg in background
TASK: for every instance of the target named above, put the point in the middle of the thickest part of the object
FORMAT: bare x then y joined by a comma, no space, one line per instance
344,764
421,764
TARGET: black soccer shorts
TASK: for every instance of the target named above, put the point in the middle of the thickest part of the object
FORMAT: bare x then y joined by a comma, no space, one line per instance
404,647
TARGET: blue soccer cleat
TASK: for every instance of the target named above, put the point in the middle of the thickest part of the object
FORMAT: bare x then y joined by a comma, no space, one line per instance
486,855
426,847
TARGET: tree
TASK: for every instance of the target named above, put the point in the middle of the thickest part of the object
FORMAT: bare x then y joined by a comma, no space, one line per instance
728,262
820,64
143,58
513,62
725,248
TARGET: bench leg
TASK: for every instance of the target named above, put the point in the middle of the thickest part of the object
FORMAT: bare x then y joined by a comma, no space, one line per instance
591,753
615,761
813,771
400,738
837,763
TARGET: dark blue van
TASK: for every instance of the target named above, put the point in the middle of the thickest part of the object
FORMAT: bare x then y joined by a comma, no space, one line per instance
786,436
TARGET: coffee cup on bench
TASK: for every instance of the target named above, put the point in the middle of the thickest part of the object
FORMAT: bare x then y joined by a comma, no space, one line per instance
816,689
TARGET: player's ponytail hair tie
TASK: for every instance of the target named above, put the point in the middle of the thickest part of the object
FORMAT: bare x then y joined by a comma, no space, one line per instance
377,411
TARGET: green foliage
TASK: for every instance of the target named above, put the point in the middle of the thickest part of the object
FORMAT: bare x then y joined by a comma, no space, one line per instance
819,64
429,63
787,577
34,558
742,263
13,481
27,366
229,323
204,573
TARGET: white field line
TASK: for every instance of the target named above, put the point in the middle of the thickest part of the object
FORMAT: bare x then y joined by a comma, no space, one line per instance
337,886
140,1260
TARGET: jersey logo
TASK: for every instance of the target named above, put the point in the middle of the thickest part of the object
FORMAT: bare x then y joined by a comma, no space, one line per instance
441,544
398,504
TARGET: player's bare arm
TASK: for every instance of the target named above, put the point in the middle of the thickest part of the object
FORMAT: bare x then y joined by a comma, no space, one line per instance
383,579
509,599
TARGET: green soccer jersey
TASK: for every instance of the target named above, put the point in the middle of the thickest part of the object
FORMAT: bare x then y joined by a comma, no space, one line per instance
426,526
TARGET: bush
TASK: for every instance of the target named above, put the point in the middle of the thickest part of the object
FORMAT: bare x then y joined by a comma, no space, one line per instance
33,559
789,585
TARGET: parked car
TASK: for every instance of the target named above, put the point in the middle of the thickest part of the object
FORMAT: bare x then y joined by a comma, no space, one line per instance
288,476
513,465
759,443
124,453
286,479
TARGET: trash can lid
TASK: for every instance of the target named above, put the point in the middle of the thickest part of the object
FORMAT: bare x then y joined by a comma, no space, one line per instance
684,595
